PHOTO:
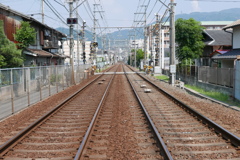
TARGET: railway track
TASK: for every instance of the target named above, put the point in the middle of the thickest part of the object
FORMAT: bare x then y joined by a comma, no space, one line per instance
122,130
59,132
120,122
186,133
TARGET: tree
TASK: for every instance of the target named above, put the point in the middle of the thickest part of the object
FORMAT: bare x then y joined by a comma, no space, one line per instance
10,56
139,56
25,35
189,39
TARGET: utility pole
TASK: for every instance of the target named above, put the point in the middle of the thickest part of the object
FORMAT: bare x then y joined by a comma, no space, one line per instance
172,44
135,52
78,59
42,11
157,39
94,31
145,34
71,42
83,42
159,47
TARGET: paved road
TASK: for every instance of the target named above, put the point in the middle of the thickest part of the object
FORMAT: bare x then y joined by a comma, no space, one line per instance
7,108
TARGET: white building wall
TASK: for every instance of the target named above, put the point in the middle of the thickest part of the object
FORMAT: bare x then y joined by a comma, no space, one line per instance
236,37
66,51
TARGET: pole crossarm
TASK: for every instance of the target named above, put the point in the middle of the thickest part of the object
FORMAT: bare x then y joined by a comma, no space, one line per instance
79,5
164,5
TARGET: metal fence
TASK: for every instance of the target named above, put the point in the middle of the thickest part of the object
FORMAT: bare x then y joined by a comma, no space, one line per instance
21,87
237,81
218,76
206,74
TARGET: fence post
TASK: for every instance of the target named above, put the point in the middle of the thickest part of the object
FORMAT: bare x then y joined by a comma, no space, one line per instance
28,84
62,76
49,79
56,78
40,91
12,98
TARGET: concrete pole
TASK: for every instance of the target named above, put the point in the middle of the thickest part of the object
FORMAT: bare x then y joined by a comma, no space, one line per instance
145,36
135,52
78,53
83,41
71,43
172,44
42,11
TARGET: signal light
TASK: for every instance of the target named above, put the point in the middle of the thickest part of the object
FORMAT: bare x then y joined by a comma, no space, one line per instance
72,20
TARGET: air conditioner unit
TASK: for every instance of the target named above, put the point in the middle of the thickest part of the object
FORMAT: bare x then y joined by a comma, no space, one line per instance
46,43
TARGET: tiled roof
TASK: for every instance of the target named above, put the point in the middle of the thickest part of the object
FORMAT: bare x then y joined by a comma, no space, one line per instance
236,23
219,52
218,37
233,54
42,53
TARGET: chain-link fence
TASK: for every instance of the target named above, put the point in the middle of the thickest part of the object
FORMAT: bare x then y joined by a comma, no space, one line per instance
21,87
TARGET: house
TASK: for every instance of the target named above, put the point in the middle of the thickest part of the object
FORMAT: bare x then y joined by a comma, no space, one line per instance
228,59
216,42
47,48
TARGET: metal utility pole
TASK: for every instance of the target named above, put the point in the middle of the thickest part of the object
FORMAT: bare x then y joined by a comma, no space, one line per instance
150,44
145,34
94,31
172,44
135,52
83,42
42,11
159,45
94,22
71,42
78,56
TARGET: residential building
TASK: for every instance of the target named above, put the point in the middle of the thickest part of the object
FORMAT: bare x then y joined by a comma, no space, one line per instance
47,47
228,59
216,42
77,52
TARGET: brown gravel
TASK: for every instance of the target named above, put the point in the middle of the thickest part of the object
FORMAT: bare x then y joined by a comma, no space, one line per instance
10,126
224,116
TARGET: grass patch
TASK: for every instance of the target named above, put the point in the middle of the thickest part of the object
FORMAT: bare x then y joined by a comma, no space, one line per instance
215,95
163,77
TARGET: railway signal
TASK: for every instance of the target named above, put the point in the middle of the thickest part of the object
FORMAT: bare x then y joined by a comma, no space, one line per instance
72,20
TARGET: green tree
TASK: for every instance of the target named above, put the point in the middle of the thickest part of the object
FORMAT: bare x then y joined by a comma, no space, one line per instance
10,56
139,56
25,35
189,39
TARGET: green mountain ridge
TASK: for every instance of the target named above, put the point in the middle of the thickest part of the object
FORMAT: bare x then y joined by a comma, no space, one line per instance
232,14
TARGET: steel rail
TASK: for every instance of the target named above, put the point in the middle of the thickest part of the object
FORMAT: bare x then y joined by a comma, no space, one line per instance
19,136
235,140
90,128
167,155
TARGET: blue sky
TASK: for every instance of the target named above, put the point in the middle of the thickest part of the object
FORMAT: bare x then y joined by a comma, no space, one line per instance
116,12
